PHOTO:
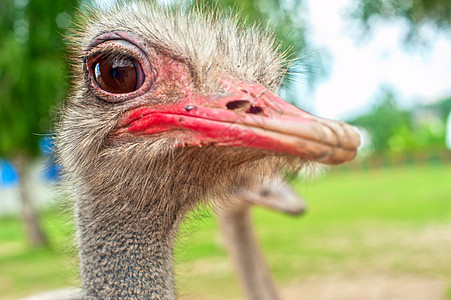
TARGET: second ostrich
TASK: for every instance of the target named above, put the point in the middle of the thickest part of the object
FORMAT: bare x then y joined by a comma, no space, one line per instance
238,233
168,108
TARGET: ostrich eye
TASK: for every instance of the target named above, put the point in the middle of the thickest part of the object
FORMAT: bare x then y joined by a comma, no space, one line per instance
118,74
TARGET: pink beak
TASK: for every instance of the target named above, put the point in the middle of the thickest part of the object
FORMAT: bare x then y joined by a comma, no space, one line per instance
249,115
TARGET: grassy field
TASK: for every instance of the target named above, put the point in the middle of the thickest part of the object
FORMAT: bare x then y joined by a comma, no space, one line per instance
367,235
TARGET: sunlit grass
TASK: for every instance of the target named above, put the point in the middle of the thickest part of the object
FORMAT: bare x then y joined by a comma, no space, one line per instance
24,270
387,222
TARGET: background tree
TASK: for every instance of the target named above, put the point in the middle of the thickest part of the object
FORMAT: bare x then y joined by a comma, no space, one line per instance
416,13
425,19
32,79
384,121
392,129
443,107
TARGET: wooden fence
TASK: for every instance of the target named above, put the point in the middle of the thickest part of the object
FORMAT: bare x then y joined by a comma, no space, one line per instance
378,161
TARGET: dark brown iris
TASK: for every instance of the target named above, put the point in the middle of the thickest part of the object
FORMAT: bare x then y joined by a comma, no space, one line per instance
118,74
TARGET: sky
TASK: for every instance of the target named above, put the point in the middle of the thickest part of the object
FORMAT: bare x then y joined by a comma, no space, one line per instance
358,70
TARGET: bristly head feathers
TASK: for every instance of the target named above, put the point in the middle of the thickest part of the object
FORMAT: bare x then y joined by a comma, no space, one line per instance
208,42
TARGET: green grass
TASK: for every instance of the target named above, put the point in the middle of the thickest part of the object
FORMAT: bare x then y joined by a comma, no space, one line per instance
24,270
388,222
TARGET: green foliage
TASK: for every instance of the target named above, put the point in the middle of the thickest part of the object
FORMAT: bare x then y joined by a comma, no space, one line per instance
416,13
33,70
392,129
443,107
383,122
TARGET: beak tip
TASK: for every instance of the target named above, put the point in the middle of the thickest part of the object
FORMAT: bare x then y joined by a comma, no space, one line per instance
358,136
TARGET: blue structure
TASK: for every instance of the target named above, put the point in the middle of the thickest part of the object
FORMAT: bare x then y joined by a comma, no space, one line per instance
8,175
52,169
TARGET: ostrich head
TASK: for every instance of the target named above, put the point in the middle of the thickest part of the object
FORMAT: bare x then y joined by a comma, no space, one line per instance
169,101
169,107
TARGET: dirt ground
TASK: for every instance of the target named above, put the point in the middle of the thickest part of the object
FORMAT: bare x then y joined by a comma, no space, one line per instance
425,247
367,287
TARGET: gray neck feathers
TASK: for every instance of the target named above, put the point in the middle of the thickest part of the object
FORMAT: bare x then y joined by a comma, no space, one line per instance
129,208
126,252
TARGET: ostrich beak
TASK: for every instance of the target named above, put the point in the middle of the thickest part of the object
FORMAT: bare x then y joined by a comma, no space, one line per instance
246,115
274,193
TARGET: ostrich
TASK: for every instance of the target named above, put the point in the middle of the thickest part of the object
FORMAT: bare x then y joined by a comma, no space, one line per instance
168,108
238,234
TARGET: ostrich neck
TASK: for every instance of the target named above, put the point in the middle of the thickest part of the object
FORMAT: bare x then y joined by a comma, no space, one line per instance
126,252
250,265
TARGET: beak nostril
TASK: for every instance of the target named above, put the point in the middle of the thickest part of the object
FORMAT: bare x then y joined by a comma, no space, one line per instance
238,105
264,193
254,110
245,106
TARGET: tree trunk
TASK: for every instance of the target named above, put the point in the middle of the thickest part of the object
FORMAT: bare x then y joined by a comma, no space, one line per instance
36,235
